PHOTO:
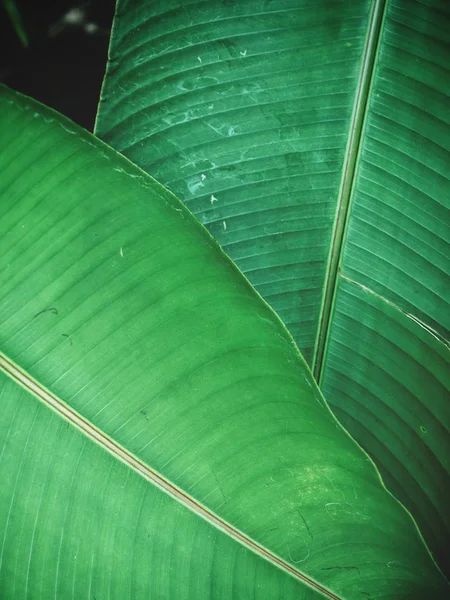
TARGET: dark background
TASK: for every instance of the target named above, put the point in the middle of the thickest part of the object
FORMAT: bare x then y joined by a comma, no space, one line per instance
64,63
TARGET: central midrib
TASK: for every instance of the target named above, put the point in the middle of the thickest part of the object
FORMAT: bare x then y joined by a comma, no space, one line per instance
348,177
110,445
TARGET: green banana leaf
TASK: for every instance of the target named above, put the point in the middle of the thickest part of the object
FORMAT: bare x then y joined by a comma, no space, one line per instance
311,138
161,435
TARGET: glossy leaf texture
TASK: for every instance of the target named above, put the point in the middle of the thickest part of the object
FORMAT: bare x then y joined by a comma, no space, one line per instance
311,138
387,367
161,436
243,112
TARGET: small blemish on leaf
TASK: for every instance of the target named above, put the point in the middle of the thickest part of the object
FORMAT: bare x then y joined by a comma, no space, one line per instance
299,555
393,564
66,335
52,309
306,525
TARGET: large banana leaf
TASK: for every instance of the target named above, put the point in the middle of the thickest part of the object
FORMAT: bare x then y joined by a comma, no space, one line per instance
311,138
161,436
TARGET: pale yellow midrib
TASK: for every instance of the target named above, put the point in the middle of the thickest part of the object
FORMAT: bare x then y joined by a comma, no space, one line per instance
107,443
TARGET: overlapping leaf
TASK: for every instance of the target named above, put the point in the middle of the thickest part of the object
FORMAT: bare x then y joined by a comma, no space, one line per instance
122,314
311,138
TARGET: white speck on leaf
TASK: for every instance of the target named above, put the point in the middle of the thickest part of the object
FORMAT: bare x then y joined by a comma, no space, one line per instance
297,560
203,177
213,199
244,53
193,185
199,59
121,251
224,223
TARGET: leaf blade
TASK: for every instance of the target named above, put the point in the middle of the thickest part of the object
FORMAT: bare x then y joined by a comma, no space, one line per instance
181,395
52,548
397,248
391,228
237,111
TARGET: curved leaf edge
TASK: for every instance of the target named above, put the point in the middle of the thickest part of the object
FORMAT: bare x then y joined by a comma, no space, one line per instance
133,171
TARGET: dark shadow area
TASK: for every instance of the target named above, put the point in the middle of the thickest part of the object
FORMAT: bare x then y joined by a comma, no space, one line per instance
64,63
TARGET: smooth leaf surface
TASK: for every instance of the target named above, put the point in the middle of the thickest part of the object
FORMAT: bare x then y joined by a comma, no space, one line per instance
312,140
203,461
78,523
405,413
243,112
392,344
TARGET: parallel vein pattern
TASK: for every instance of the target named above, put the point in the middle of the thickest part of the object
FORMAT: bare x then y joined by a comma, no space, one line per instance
81,524
398,239
252,114
30,385
118,302
243,111
386,376
388,380
374,27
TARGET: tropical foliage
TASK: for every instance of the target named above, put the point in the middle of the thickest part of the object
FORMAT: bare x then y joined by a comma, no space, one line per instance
161,435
